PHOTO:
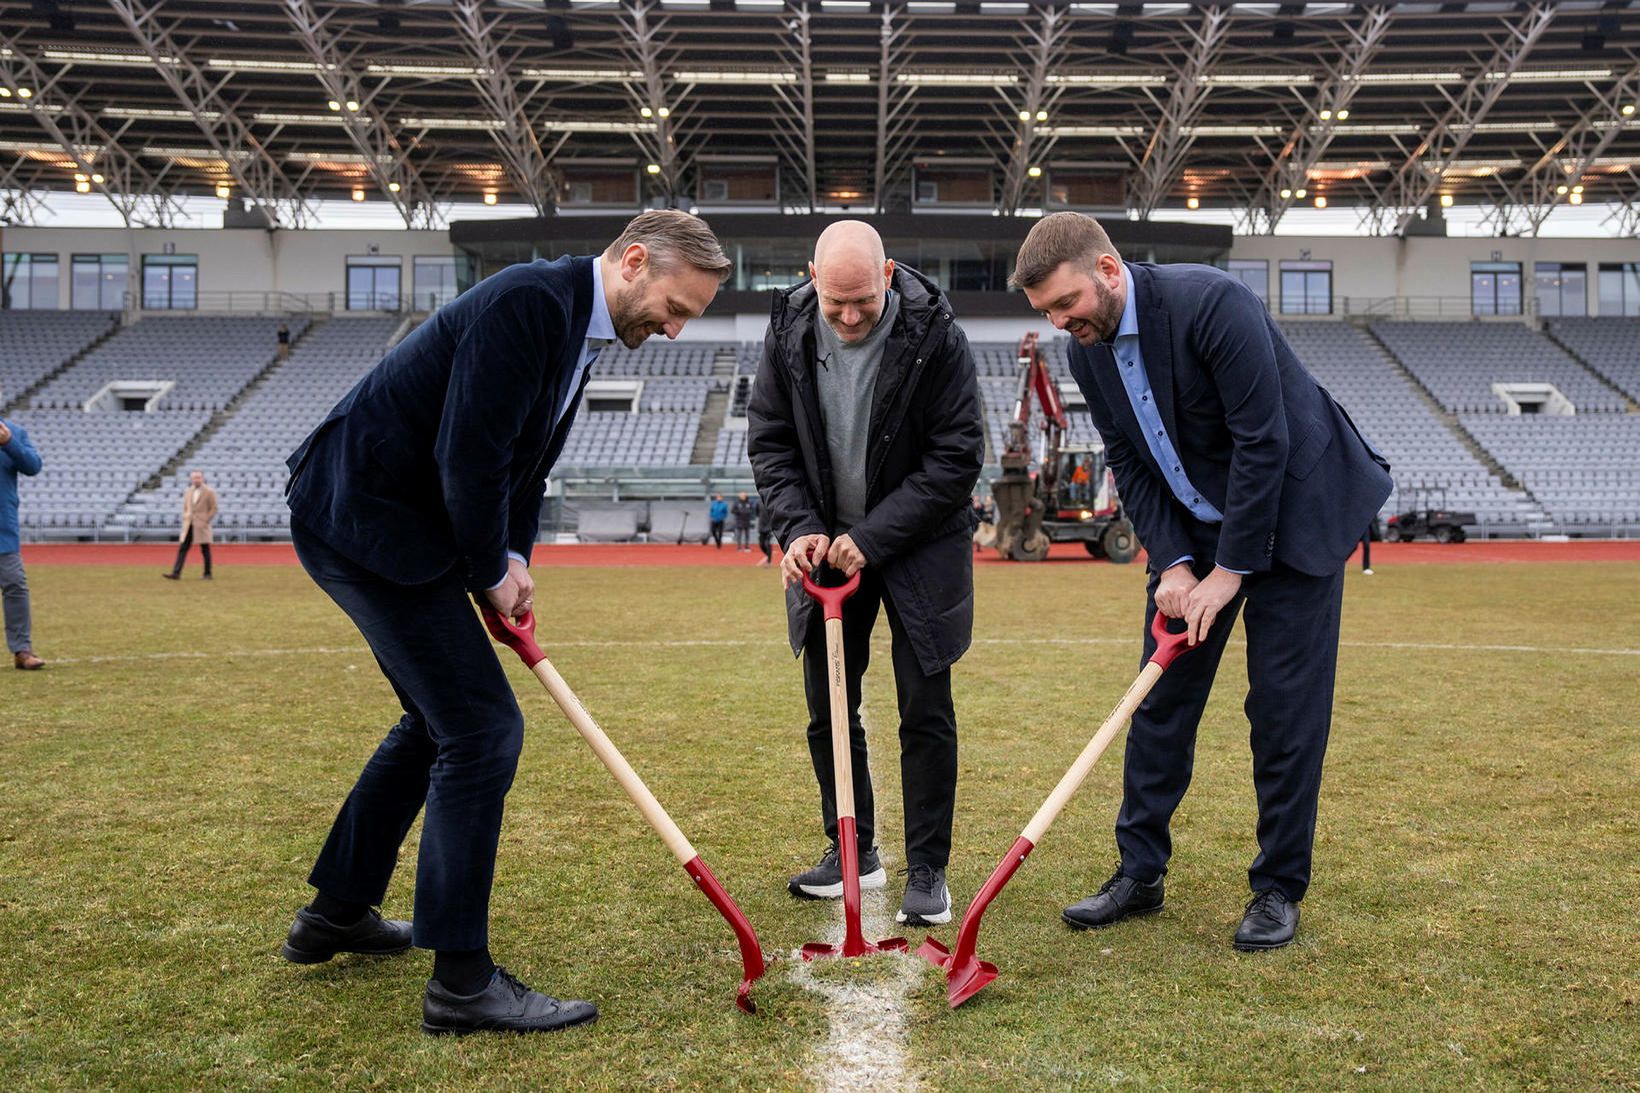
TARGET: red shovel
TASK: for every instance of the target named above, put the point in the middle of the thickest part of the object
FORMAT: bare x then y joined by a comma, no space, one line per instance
520,638
854,942
965,974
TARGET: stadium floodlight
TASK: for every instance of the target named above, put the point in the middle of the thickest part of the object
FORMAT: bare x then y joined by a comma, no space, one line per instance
664,112
931,7
1024,115
1344,115
1446,201
1041,115
431,71
454,123
1286,194
255,64
1575,199
734,76
1326,115
223,190
845,5
1108,79
1192,202
1561,190
959,79
157,152
5,92
652,168
394,187
489,197
582,75
352,106
1235,130
1300,193
25,93
334,105
1320,201
101,57
1034,172
157,113
82,187
848,77
1092,131
279,117
1550,75
358,193
1259,79
98,179
753,5
1577,189
567,126
646,112
1405,79
81,178
1002,7
1628,109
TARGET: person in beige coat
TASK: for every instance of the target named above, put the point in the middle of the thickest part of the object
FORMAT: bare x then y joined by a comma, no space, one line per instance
198,510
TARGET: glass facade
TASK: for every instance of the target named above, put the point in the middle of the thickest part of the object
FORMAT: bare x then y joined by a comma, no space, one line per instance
1620,288
97,282
1494,288
28,282
170,282
373,283
1306,288
1255,274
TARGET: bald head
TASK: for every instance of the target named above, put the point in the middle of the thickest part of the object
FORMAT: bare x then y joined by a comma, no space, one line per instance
851,277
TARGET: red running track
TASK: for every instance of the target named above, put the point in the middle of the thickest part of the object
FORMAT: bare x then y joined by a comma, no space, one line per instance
161,555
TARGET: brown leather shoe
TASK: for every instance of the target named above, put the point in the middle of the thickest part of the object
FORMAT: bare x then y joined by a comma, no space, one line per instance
26,661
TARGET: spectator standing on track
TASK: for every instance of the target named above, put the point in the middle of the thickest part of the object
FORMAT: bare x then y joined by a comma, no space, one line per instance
419,492
743,510
199,508
866,439
717,514
284,341
1248,485
17,456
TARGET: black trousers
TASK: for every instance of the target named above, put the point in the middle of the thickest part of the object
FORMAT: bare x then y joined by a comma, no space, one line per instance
1292,661
928,729
182,552
717,533
454,750
765,544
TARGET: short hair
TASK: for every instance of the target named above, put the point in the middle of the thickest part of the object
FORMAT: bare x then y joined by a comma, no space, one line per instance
1055,240
672,235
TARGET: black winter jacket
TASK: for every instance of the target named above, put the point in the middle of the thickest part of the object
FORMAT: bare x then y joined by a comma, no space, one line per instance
927,445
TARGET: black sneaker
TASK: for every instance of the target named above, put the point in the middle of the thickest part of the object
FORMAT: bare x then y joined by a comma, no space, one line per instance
825,880
1120,897
314,939
927,900
505,1005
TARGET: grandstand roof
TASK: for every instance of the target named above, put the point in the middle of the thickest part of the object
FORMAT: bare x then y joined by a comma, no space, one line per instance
1141,107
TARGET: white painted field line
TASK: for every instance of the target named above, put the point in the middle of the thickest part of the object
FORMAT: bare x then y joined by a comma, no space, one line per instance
738,643
866,1039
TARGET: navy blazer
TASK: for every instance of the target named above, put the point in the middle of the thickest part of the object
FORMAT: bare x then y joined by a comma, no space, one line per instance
1255,433
437,459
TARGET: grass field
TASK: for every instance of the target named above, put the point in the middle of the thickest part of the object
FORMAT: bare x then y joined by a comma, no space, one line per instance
1472,922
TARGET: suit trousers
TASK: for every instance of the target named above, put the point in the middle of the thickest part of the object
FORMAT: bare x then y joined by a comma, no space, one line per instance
182,553
14,592
454,750
928,729
1292,624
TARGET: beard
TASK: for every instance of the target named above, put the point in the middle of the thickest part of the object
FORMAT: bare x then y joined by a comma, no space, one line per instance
632,327
1107,316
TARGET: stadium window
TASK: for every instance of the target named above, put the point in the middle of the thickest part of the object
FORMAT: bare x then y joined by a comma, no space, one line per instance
373,283
97,282
1494,288
1562,289
28,282
170,282
1306,288
1620,288
1255,274
434,282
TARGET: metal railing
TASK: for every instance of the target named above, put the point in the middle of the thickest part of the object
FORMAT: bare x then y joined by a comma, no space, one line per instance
287,303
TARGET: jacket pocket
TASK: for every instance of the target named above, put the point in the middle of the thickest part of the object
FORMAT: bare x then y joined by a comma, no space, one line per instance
1303,456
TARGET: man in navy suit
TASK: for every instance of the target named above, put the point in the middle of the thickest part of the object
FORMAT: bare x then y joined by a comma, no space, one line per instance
1249,486
420,489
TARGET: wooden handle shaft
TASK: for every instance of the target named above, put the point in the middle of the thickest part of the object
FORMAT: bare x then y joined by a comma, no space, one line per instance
842,755
1074,777
615,761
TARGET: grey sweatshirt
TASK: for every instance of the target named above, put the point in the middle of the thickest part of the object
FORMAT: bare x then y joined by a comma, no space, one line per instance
846,379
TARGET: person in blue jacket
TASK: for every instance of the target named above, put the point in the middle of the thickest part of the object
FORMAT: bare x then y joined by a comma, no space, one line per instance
423,488
717,514
1249,486
17,456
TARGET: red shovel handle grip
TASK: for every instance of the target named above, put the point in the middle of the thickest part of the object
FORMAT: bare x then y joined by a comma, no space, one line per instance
831,599
518,636
1168,646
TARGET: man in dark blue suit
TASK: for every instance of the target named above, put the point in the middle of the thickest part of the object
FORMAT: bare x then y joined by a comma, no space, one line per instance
1249,486
423,488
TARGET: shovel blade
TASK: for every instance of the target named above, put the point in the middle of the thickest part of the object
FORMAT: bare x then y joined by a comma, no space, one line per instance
935,953
963,983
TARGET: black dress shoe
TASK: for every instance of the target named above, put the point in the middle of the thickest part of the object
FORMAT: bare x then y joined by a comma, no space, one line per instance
1120,897
1270,922
506,1005
314,939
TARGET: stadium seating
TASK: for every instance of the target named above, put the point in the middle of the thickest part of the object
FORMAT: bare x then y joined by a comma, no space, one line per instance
35,343
92,463
1430,463
210,358
1610,346
1459,362
1584,468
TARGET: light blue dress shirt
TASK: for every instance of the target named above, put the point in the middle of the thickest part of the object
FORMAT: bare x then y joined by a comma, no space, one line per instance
1130,365
600,333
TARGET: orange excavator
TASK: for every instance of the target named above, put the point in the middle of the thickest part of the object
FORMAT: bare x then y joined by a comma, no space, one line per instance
1069,497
